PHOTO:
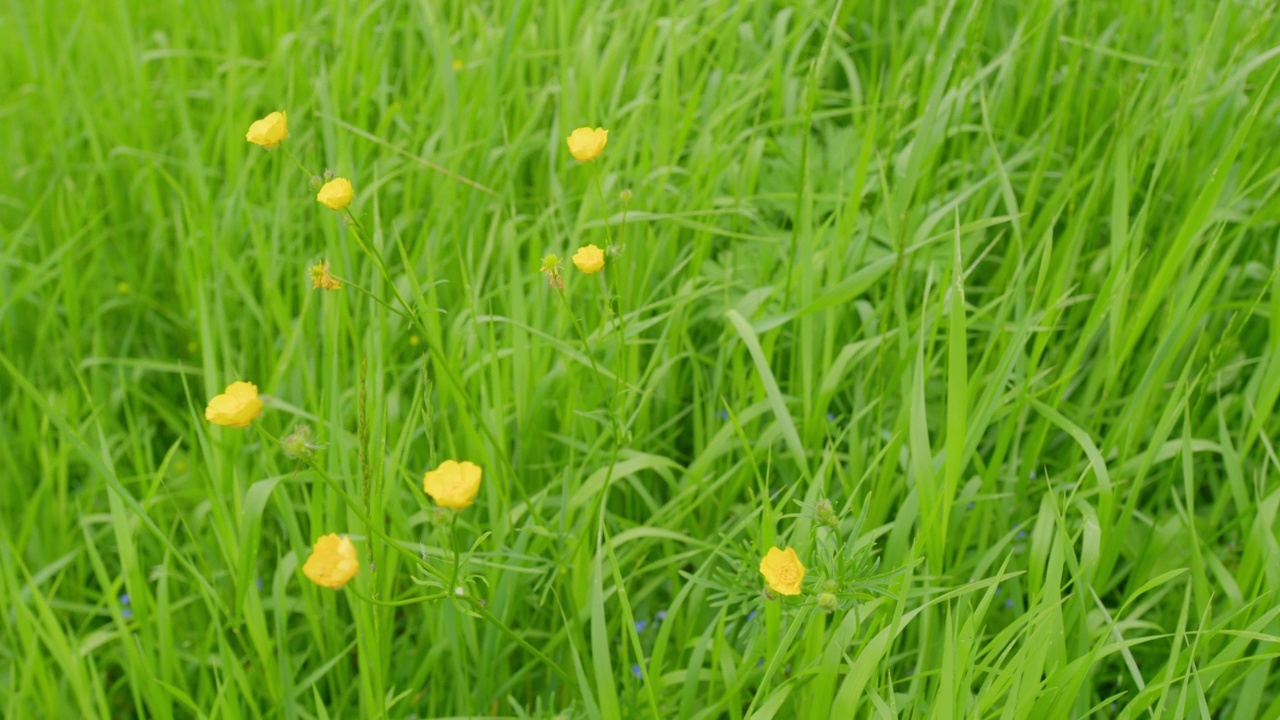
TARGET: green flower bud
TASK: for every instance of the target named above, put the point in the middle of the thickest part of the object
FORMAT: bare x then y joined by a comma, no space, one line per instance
826,514
298,445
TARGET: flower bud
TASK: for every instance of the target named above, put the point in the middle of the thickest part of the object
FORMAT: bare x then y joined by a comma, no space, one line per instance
298,445
827,602
830,586
625,195
826,514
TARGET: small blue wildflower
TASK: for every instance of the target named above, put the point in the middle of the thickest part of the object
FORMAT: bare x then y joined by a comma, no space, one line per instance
970,504
635,670
660,616
125,599
722,413
831,417
751,615
258,582
1009,603
641,625
126,613
1022,534
999,590
759,662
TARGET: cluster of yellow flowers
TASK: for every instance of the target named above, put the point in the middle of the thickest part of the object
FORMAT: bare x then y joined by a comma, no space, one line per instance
585,145
335,193
333,561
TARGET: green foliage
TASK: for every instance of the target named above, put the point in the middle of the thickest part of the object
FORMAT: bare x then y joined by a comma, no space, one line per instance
974,304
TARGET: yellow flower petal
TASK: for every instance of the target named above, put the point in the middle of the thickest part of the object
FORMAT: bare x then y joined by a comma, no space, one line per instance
782,570
333,561
237,406
589,259
586,144
270,131
453,484
336,194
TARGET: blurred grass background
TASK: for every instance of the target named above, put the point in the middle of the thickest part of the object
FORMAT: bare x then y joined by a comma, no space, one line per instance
996,278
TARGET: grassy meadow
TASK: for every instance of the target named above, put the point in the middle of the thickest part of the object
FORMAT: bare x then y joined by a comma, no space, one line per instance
973,304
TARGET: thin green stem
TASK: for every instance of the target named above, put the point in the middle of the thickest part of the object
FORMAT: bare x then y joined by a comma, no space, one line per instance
484,612
356,509
411,314
397,603
296,162
622,229
603,206
351,218
586,347
453,540
374,298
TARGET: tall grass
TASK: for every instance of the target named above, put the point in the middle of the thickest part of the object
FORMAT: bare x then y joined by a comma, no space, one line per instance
997,279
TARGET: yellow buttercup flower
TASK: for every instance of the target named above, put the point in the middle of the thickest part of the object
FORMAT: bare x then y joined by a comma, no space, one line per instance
336,194
453,484
237,406
589,259
782,570
270,131
457,64
586,144
333,562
